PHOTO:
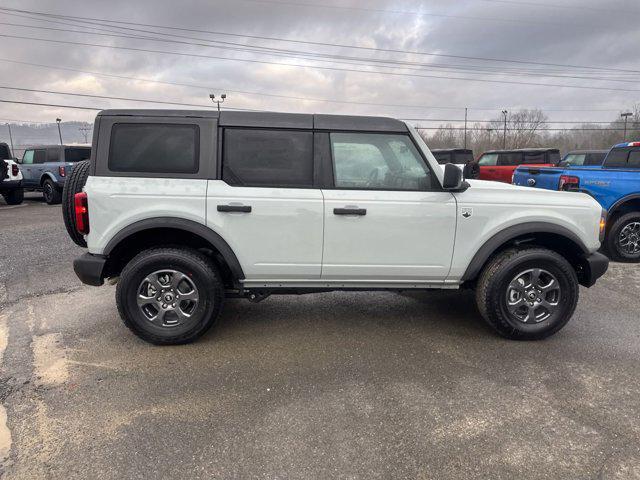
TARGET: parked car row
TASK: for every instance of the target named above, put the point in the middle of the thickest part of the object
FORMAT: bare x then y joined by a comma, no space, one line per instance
42,168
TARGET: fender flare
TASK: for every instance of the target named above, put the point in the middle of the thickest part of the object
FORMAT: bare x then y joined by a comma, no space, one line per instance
622,201
181,224
46,175
511,233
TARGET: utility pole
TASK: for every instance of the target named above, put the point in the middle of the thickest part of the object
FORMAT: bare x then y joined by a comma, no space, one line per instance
85,131
58,120
465,127
10,138
504,132
218,102
625,116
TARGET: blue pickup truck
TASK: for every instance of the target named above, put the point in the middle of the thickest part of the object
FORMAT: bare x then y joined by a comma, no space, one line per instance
45,168
615,185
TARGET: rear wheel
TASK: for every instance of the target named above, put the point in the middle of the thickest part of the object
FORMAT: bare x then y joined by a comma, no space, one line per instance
170,296
74,184
527,294
14,197
623,238
51,193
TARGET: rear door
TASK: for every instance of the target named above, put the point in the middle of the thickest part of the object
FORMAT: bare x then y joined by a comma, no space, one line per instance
265,205
507,163
386,218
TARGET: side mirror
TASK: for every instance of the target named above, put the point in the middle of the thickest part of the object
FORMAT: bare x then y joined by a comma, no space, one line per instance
453,179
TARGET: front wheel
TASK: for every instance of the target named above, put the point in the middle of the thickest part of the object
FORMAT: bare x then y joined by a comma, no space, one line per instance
527,294
170,296
52,195
623,238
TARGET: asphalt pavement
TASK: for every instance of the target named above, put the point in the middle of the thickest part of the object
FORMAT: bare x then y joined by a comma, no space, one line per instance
333,385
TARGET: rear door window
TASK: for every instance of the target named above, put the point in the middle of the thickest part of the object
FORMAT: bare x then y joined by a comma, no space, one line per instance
513,158
267,158
634,159
554,158
40,156
463,158
53,154
154,148
442,157
533,158
594,159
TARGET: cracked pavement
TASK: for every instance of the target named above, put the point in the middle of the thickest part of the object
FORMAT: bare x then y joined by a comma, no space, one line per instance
335,385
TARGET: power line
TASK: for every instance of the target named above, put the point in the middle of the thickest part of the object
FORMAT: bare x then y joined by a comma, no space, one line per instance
297,54
326,44
395,74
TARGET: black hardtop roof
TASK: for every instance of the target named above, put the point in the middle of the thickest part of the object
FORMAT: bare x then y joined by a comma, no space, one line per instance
452,150
519,150
578,152
274,119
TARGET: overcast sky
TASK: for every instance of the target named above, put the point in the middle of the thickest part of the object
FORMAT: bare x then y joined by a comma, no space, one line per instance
569,33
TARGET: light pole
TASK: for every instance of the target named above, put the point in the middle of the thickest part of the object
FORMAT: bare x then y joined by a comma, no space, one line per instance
218,102
625,116
58,120
465,127
504,132
10,137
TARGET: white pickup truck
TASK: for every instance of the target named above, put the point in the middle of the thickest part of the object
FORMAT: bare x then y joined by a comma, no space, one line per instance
10,177
186,208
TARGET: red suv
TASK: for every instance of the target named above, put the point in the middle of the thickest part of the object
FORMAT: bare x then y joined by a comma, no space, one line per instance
499,165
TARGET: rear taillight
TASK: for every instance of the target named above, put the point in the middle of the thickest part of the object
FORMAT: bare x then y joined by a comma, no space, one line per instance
62,171
568,182
82,213
15,170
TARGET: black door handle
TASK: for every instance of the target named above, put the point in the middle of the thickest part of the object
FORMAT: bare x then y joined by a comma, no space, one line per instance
349,211
234,208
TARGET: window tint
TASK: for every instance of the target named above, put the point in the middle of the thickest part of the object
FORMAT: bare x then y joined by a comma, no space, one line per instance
76,154
267,158
40,156
533,158
53,154
377,162
442,157
154,148
488,159
514,158
463,158
594,158
27,157
634,159
575,159
4,152
617,158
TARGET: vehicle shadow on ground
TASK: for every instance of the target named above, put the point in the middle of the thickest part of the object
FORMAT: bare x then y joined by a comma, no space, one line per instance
431,312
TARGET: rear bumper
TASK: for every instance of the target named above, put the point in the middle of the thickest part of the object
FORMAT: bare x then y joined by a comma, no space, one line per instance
89,268
10,185
592,268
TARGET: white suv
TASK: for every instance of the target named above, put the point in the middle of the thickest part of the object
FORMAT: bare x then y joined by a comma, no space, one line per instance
185,208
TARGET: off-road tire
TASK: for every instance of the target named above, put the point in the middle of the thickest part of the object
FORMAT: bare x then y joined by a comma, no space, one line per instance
74,184
198,267
51,193
491,292
14,197
612,246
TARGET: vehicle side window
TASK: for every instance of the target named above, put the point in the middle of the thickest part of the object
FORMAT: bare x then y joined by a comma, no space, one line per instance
514,158
554,158
40,156
53,154
267,158
634,159
617,158
463,158
76,154
533,158
378,162
488,159
27,157
594,158
154,148
575,159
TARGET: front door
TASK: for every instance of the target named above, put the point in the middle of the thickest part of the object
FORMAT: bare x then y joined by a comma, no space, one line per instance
386,219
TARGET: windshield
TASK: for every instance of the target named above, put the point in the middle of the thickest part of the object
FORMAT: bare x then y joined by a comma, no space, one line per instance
76,154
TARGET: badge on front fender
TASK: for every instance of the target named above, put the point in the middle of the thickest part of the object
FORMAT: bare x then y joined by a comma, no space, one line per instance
467,212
